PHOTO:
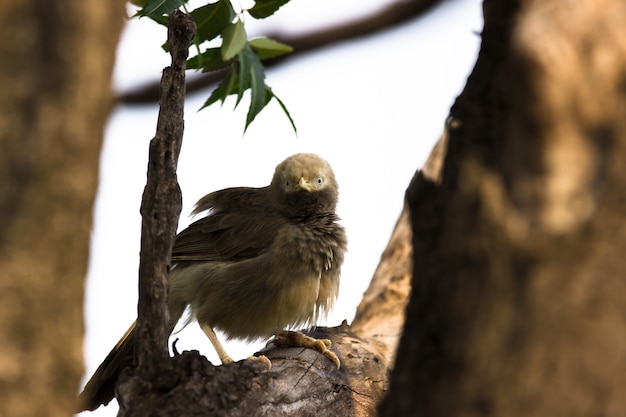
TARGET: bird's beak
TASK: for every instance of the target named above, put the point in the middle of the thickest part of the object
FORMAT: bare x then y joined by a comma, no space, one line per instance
304,185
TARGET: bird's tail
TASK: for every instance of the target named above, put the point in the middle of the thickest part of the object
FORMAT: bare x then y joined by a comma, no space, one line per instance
100,388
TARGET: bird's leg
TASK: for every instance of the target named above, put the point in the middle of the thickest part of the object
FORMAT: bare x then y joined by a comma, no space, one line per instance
221,352
288,338
208,330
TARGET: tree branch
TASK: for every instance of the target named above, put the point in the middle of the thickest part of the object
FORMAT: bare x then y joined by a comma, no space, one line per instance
160,209
389,17
380,316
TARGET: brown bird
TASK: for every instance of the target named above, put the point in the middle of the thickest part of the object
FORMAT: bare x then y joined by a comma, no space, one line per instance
263,260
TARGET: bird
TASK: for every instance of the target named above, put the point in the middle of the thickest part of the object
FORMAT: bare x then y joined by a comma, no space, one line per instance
261,262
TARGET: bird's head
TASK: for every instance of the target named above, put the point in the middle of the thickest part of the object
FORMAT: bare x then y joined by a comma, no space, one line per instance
304,184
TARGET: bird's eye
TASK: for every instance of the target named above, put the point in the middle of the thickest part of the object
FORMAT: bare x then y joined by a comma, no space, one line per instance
320,180
287,183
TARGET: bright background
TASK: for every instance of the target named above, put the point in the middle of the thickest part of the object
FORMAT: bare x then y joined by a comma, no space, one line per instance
373,108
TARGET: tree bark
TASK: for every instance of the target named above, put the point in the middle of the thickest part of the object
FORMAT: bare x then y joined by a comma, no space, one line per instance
160,209
518,291
55,72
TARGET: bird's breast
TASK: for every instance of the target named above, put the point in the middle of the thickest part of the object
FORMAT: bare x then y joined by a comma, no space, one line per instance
306,249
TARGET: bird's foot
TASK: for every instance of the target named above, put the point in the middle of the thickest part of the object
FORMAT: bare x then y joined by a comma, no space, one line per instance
263,359
296,339
225,359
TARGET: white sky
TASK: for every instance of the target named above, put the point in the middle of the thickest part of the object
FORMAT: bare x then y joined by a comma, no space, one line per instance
372,107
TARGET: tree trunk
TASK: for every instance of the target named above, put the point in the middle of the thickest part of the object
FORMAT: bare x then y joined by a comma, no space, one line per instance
55,72
518,302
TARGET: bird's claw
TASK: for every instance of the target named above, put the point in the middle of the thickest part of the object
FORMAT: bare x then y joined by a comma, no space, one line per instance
263,359
297,339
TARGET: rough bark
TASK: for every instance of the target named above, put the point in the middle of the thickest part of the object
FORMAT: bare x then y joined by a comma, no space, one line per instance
518,299
55,72
300,382
160,209
380,316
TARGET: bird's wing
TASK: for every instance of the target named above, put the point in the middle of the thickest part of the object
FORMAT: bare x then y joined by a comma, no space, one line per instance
241,224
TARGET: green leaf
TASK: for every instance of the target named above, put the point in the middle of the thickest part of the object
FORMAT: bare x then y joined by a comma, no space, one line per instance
265,8
212,19
270,94
209,60
227,87
156,8
235,38
255,75
269,48
244,76
247,67
247,74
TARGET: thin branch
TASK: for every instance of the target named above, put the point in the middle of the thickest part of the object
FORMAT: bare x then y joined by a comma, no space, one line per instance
389,17
161,205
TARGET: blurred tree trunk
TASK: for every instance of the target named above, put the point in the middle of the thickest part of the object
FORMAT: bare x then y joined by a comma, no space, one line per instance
518,304
55,72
